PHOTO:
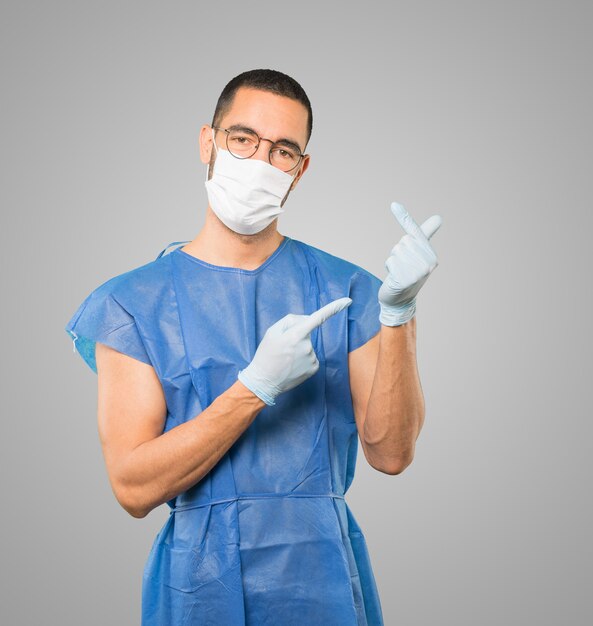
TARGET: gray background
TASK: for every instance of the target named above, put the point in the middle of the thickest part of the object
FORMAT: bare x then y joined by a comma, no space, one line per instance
477,111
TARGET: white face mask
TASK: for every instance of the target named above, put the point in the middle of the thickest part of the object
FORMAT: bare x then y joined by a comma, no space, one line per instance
246,194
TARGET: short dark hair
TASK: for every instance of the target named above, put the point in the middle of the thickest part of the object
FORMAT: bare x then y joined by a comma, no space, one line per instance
266,80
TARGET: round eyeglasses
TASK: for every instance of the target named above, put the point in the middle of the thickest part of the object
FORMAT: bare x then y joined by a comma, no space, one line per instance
243,143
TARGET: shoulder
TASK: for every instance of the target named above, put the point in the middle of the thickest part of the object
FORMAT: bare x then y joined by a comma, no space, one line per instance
335,266
139,289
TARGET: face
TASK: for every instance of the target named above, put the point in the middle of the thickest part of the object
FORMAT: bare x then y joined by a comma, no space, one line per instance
271,116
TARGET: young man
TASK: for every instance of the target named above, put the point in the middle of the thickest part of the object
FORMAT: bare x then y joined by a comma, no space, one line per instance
236,374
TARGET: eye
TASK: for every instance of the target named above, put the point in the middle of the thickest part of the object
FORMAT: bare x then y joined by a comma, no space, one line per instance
285,154
242,140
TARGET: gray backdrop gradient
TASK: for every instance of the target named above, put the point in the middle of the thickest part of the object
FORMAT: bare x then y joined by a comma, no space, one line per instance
477,111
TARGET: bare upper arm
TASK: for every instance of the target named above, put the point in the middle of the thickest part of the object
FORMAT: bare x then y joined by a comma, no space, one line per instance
362,364
131,404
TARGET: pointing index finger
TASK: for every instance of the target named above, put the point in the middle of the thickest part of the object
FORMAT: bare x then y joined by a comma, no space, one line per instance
317,318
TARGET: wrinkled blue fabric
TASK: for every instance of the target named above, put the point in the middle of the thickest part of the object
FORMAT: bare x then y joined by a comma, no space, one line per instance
266,538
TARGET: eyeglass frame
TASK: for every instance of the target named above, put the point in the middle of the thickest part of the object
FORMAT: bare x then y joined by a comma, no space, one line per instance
260,139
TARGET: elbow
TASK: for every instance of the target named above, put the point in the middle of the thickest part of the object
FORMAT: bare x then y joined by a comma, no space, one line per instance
133,494
132,502
136,512
395,466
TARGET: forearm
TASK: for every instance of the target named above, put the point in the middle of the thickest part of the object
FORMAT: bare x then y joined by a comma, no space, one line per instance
395,410
160,469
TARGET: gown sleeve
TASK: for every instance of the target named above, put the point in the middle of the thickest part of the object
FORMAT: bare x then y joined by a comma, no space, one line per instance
363,313
101,318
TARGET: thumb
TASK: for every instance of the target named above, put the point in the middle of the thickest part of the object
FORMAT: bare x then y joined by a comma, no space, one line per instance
431,225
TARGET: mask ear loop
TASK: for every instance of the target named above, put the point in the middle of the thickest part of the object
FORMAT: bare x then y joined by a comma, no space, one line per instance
216,148
292,181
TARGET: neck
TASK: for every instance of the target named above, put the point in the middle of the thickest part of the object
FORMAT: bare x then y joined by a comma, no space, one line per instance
219,245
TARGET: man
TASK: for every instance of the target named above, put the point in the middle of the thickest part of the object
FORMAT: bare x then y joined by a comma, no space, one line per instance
235,374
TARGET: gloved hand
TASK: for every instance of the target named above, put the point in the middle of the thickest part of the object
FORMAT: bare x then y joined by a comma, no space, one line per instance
409,265
285,357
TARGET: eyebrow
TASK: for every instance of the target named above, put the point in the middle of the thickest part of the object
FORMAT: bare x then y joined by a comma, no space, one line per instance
284,141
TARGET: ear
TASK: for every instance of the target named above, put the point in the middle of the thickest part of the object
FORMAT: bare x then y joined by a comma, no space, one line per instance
303,166
205,140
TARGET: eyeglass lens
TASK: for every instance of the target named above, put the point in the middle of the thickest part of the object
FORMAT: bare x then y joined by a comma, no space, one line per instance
243,144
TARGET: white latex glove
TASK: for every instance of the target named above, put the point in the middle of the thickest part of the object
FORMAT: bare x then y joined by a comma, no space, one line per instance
285,357
409,265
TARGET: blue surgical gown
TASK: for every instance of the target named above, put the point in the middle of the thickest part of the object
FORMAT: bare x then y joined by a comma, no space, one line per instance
266,538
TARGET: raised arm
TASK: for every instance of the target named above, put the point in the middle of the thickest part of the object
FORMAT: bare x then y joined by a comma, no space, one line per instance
386,392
